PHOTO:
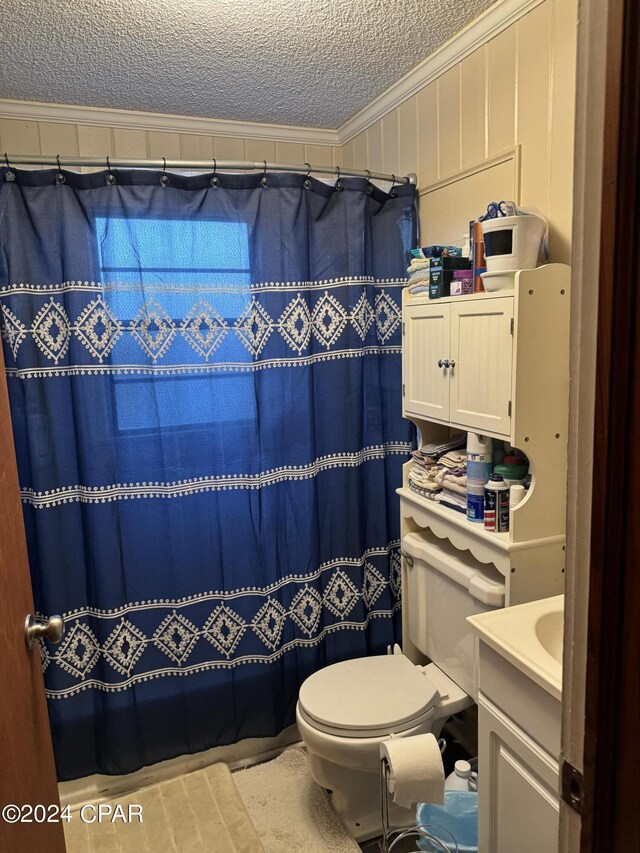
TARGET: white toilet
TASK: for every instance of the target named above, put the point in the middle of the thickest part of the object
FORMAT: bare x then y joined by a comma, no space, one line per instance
347,709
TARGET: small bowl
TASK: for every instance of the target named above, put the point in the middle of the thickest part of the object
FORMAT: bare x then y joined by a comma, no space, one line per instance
501,280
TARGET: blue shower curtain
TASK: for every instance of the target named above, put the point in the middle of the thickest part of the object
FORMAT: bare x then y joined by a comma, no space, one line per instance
204,376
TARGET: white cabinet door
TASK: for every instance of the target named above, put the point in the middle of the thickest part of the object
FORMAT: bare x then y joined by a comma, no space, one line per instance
426,342
482,350
518,805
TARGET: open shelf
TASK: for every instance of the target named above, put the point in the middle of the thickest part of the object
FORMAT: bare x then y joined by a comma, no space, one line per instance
454,520
532,568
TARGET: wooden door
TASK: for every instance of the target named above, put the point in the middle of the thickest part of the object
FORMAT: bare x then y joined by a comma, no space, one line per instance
482,356
27,771
424,352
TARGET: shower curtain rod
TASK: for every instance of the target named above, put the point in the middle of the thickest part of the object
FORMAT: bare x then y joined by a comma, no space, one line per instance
200,165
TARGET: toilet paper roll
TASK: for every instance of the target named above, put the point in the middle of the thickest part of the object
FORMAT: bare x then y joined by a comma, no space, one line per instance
416,772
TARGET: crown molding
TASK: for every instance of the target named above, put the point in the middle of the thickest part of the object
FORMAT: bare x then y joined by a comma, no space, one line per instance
482,29
497,18
130,120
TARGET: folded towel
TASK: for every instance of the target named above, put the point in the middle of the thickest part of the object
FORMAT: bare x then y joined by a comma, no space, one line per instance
421,277
423,459
444,502
457,485
424,477
430,496
436,449
417,265
452,498
460,491
454,459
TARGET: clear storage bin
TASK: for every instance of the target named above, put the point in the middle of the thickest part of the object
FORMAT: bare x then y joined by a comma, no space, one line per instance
457,818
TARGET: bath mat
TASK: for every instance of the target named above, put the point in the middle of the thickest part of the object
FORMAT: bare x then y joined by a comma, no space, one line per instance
200,812
289,811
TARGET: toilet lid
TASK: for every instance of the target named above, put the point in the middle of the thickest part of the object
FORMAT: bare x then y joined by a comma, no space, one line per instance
368,696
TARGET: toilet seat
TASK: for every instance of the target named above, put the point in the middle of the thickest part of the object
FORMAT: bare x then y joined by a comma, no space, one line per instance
368,697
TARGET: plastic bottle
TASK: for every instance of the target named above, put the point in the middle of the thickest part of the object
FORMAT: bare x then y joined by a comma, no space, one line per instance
475,500
517,493
462,778
479,457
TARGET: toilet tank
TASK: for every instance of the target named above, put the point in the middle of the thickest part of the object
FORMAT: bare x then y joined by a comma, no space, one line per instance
443,587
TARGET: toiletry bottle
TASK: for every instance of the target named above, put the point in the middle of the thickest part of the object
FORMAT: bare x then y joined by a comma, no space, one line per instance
517,493
477,255
462,778
496,505
479,457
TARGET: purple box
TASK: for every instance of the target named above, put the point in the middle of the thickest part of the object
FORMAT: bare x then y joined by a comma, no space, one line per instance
461,283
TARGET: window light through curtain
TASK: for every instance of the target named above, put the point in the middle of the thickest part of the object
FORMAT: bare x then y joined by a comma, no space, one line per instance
166,252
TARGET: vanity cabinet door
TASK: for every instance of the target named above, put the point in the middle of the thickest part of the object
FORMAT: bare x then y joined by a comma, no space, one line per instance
482,350
426,343
518,805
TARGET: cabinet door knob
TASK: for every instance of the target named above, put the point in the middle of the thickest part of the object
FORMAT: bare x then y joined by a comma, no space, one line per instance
453,364
440,363
446,363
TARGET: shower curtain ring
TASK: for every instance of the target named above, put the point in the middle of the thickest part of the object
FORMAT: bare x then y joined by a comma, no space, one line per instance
60,178
393,192
369,184
215,180
164,164
111,178
264,180
8,175
307,183
339,184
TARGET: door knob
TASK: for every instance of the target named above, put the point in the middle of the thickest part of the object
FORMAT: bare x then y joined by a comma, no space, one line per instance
36,629
453,364
444,363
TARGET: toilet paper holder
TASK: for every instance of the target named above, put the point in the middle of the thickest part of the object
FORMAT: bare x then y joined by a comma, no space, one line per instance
415,829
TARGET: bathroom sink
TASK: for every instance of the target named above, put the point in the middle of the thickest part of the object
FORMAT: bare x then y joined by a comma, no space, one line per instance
530,637
549,627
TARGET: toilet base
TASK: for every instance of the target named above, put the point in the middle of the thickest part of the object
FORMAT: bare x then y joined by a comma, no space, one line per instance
355,797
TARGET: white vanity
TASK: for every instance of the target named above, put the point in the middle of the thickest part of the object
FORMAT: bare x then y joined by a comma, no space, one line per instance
519,723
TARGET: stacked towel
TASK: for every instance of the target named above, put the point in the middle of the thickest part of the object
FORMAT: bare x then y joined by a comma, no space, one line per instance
423,474
439,472
419,271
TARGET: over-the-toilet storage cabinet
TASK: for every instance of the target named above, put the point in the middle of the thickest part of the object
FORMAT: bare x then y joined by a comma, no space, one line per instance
496,364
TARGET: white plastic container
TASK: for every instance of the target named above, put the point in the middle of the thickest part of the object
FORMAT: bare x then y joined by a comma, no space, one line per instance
517,493
513,242
463,778
475,500
445,586
501,280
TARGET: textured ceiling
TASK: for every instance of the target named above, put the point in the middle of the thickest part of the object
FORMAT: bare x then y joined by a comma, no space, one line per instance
302,62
